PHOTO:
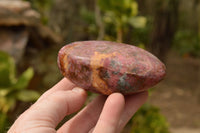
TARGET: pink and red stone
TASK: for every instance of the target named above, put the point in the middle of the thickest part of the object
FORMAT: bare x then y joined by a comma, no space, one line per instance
106,67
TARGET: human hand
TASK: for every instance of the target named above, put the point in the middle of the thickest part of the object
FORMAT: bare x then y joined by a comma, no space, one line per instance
103,115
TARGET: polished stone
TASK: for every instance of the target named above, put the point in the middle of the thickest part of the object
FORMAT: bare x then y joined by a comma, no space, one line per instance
106,67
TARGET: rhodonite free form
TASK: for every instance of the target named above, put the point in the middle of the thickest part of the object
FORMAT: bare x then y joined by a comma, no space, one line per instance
106,67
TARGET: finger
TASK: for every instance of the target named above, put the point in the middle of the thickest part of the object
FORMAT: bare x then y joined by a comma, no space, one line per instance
133,103
110,116
85,119
64,84
61,103
50,111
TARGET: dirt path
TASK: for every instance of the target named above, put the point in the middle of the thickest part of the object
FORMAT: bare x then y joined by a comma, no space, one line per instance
178,96
185,130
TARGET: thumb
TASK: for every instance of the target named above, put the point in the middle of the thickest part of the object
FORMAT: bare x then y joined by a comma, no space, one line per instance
45,114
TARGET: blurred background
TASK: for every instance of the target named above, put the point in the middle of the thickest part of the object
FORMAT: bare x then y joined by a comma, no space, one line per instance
32,32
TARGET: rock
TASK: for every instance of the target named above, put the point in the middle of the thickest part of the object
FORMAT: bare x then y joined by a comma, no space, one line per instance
106,67
16,12
21,30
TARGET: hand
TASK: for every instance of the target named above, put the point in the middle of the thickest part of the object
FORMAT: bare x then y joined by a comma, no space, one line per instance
103,115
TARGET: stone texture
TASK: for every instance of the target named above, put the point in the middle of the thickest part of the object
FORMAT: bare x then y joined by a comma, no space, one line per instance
106,67
17,12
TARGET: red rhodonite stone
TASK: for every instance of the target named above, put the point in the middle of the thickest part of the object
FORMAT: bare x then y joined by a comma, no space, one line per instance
106,67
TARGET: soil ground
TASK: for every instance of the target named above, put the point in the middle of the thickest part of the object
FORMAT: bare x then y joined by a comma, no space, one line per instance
178,95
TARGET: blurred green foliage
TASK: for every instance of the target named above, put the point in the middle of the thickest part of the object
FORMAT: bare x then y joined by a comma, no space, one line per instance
13,89
116,19
121,14
187,43
90,22
149,120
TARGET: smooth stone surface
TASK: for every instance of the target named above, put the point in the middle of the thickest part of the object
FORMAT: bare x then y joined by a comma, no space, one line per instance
106,67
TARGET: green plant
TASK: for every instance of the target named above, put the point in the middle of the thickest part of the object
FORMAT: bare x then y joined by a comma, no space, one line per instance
120,15
187,42
89,20
149,120
116,21
11,88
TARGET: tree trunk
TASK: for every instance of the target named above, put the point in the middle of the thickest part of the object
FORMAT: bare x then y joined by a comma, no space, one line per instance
119,34
165,25
99,22
197,10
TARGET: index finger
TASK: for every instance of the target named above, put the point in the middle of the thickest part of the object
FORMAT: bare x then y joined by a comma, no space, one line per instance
64,84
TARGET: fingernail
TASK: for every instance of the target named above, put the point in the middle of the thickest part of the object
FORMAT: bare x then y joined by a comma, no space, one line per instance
77,89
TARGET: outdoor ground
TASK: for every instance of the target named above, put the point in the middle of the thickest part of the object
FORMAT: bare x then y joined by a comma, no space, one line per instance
178,95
